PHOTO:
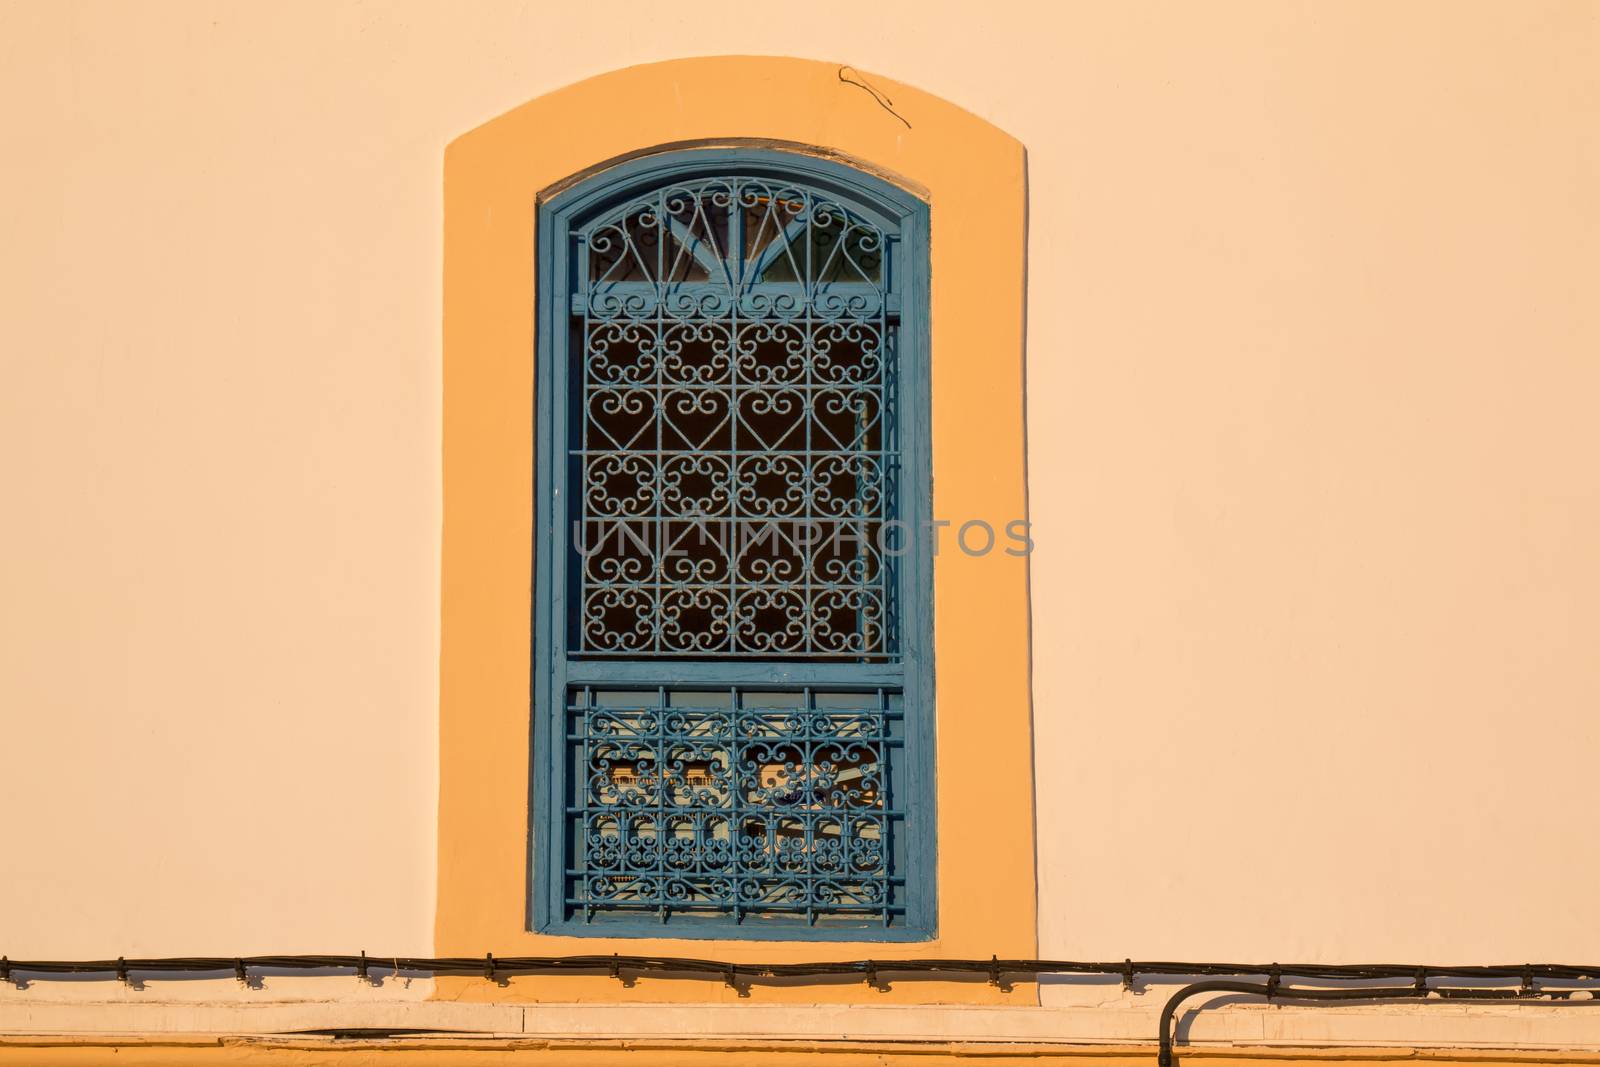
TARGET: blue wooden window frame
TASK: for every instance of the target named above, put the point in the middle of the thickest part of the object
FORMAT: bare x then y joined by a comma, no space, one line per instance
558,673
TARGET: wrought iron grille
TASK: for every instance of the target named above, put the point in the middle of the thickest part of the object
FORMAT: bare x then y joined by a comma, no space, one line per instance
737,451
740,804
732,638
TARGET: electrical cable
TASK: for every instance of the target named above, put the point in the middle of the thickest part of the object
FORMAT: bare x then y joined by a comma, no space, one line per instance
877,972
1272,991
507,966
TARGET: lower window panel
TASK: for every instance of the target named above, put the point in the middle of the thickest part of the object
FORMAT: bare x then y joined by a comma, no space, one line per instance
726,808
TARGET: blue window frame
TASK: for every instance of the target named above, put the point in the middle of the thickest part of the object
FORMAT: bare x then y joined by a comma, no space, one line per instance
732,670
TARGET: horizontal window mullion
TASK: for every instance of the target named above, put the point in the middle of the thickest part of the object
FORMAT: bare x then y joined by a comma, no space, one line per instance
579,302
724,809
774,674
648,906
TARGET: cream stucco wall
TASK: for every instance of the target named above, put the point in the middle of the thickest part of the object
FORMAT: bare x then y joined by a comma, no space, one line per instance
1313,352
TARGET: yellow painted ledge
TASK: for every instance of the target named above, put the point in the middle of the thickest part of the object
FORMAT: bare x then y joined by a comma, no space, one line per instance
974,179
198,1050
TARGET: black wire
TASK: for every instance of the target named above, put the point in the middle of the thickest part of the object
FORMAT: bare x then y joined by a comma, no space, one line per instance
494,968
1419,990
504,966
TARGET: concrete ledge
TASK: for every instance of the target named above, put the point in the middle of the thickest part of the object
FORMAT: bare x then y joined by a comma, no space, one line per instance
1526,1028
142,1050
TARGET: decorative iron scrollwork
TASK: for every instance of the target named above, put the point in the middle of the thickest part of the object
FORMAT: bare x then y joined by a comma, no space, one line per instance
733,488
736,805
737,452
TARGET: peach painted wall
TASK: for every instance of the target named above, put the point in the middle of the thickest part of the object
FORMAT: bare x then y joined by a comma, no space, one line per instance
1313,357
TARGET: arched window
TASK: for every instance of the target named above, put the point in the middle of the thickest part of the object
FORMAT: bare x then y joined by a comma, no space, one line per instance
732,662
